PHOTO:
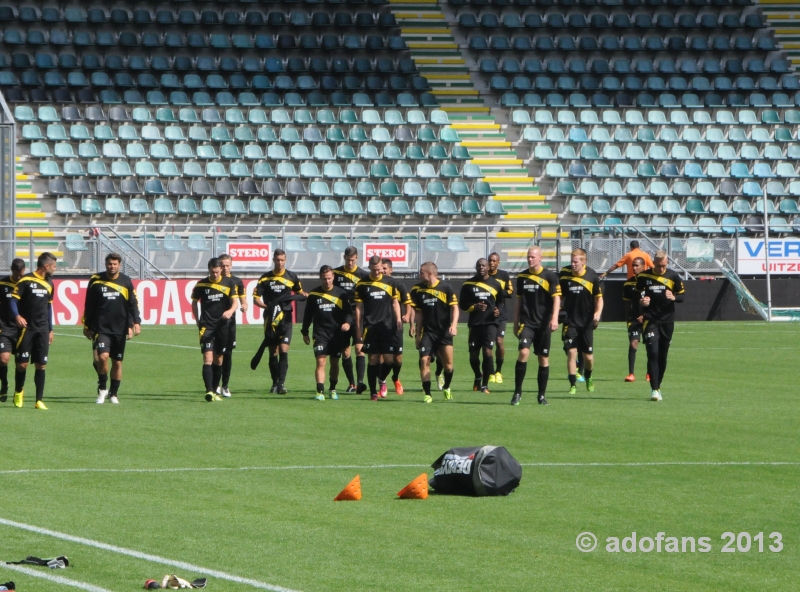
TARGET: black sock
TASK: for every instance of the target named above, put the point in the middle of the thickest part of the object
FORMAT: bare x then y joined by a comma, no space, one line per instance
283,367
273,368
573,379
216,375
19,380
439,367
426,386
519,375
372,377
488,370
227,364
475,363
541,378
321,387
396,371
333,383
347,366
4,378
631,359
102,381
587,374
38,379
581,363
499,357
385,369
114,387
361,363
208,378
448,377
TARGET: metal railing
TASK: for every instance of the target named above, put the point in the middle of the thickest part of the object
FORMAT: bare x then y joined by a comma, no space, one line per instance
8,170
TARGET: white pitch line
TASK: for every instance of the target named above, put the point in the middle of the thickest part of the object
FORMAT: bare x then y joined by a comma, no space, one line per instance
182,565
135,341
409,466
53,578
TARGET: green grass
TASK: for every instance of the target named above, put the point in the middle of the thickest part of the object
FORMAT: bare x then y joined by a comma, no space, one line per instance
730,395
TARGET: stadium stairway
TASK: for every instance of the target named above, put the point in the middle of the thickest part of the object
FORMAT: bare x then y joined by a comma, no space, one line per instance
784,18
426,30
30,219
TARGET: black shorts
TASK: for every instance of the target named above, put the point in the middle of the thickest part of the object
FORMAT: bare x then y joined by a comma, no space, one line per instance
114,345
33,345
537,338
283,334
398,342
232,333
501,328
660,333
354,336
482,336
634,331
430,343
214,339
8,341
580,338
379,339
333,347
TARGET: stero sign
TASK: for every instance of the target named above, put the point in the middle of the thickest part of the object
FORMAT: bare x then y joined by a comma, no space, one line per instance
397,252
784,256
250,255
161,302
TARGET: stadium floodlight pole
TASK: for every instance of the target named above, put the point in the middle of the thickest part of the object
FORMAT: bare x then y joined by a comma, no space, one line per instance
766,257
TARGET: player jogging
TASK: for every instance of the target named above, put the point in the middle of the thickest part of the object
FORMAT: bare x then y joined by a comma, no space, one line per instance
216,298
329,308
378,319
481,296
535,318
408,317
9,332
504,279
278,287
110,318
660,288
436,321
582,301
227,358
346,277
32,307
633,314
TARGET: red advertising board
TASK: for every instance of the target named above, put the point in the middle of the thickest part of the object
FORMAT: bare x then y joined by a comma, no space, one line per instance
161,302
397,252
250,255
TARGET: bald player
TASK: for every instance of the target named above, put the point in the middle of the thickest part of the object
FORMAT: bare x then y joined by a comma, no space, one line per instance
535,318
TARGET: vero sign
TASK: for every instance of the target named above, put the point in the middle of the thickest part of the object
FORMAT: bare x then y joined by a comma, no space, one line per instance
250,255
396,252
784,256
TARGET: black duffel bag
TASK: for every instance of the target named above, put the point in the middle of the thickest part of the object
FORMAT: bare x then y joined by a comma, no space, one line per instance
478,471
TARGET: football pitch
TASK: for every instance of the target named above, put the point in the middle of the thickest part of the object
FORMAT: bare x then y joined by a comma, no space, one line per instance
241,491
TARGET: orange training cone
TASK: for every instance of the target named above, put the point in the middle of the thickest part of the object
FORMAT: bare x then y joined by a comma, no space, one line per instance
351,491
417,489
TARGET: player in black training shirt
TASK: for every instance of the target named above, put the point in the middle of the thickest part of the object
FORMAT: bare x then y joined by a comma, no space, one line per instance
278,286
110,318
346,277
436,320
633,315
330,310
32,306
482,296
660,289
535,318
227,359
408,317
504,279
216,298
9,332
378,318
582,302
